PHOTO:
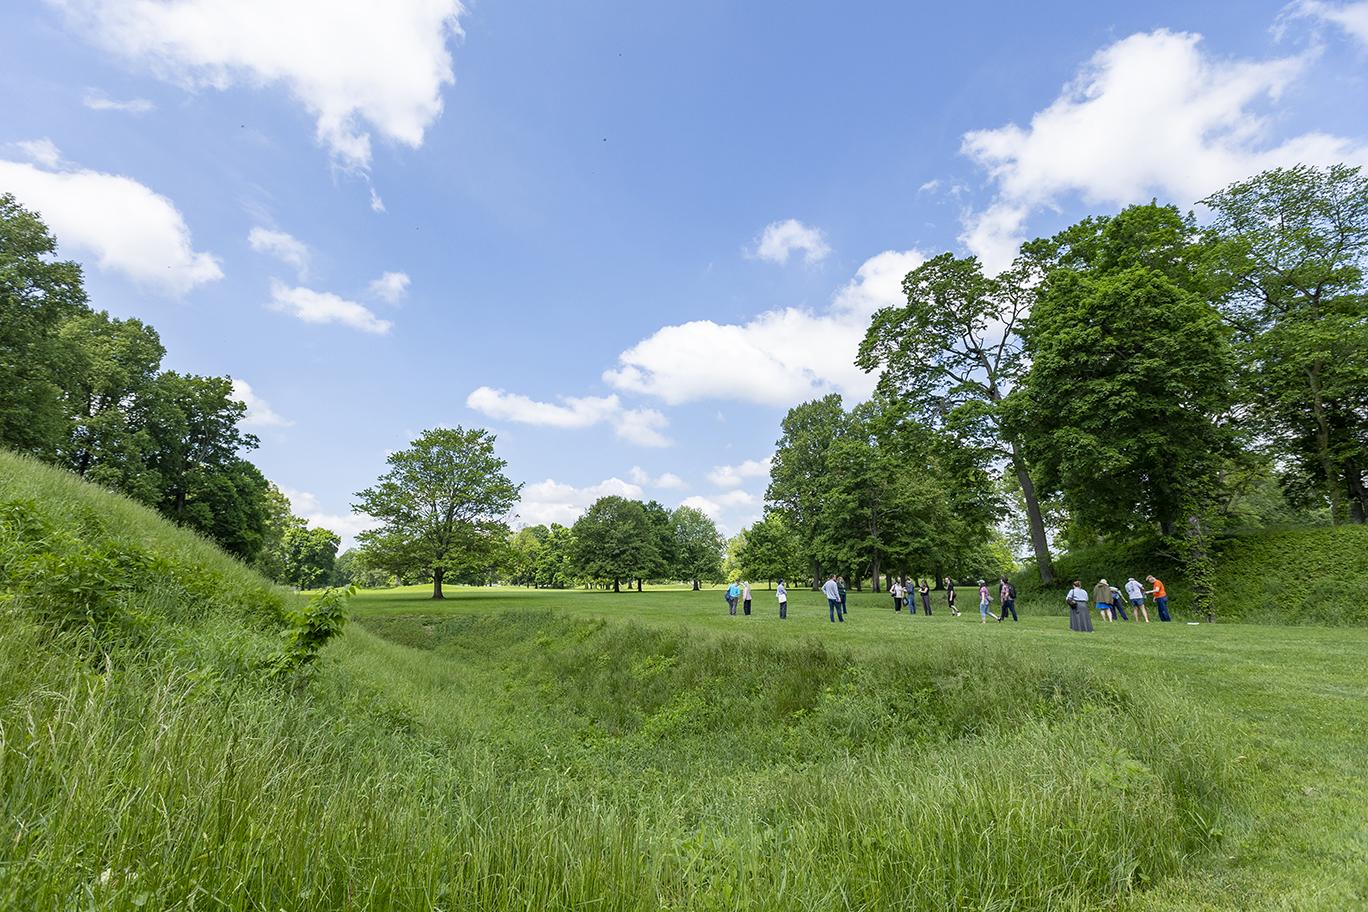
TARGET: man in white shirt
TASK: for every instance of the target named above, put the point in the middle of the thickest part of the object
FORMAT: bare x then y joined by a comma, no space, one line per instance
833,595
782,594
1136,593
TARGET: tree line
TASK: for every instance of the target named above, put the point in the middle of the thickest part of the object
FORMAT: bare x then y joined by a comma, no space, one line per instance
86,391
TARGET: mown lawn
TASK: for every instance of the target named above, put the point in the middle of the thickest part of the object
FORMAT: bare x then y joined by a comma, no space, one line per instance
1294,700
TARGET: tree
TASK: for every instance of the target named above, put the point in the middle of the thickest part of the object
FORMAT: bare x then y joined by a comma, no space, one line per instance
113,366
228,505
311,556
279,519
614,540
37,294
770,550
524,552
1296,241
798,474
662,533
192,423
555,563
698,546
441,505
952,354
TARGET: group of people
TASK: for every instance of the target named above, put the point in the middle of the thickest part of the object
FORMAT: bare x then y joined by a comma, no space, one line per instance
1111,606
1108,599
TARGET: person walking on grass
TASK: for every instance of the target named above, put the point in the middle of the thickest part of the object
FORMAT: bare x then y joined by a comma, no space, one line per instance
1102,595
1080,618
1007,595
840,586
1118,605
733,593
1160,597
782,595
745,597
1136,593
924,590
896,590
985,601
950,596
833,597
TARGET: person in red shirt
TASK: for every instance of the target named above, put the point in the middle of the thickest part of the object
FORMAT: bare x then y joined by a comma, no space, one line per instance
1160,597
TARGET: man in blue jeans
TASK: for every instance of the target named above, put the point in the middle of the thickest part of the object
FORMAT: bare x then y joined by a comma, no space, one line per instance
833,597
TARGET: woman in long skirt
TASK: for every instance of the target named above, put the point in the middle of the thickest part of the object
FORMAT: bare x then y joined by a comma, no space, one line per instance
1080,617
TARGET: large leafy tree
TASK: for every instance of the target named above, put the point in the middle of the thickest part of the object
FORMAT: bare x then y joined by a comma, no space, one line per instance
228,504
952,354
799,472
698,545
662,533
310,556
770,550
555,567
615,541
524,552
441,505
1296,241
38,293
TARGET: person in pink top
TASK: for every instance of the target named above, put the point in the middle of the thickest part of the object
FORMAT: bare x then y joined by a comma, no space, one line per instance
984,601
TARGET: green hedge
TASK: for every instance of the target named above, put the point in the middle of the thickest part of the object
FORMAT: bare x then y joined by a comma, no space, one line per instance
1285,576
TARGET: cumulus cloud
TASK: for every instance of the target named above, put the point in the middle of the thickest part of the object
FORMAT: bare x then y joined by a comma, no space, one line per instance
929,186
779,239
354,65
778,358
324,307
259,411
731,510
668,480
1150,114
733,476
549,501
307,507
126,226
644,427
390,287
284,247
96,100
40,151
1351,17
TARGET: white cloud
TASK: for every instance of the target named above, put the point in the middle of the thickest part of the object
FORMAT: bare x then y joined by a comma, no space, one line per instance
324,307
643,427
779,358
669,481
306,506
731,511
284,247
354,65
376,203
259,411
1150,114
732,476
1352,17
549,501
126,226
779,239
930,186
40,151
390,287
96,100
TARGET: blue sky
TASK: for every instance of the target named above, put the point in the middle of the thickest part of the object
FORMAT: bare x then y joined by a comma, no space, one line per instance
625,236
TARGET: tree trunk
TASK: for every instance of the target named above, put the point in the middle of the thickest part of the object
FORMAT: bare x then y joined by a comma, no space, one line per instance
437,575
638,584
695,586
1358,493
875,573
1332,481
1040,543
816,576
617,584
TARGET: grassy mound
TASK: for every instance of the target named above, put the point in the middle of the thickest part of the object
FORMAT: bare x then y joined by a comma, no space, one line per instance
152,755
1287,576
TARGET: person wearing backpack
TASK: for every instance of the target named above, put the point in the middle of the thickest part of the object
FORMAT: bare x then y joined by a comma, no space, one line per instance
733,594
896,590
1007,594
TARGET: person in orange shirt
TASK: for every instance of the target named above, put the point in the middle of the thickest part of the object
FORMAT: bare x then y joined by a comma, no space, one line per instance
1160,597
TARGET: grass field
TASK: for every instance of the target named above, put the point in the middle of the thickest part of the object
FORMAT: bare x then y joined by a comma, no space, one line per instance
513,749
1290,706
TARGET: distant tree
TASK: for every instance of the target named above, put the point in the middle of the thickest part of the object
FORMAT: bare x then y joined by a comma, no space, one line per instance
698,546
441,505
311,556
228,505
38,293
770,551
799,476
952,354
732,557
614,540
555,562
279,519
662,533
1296,245
524,553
